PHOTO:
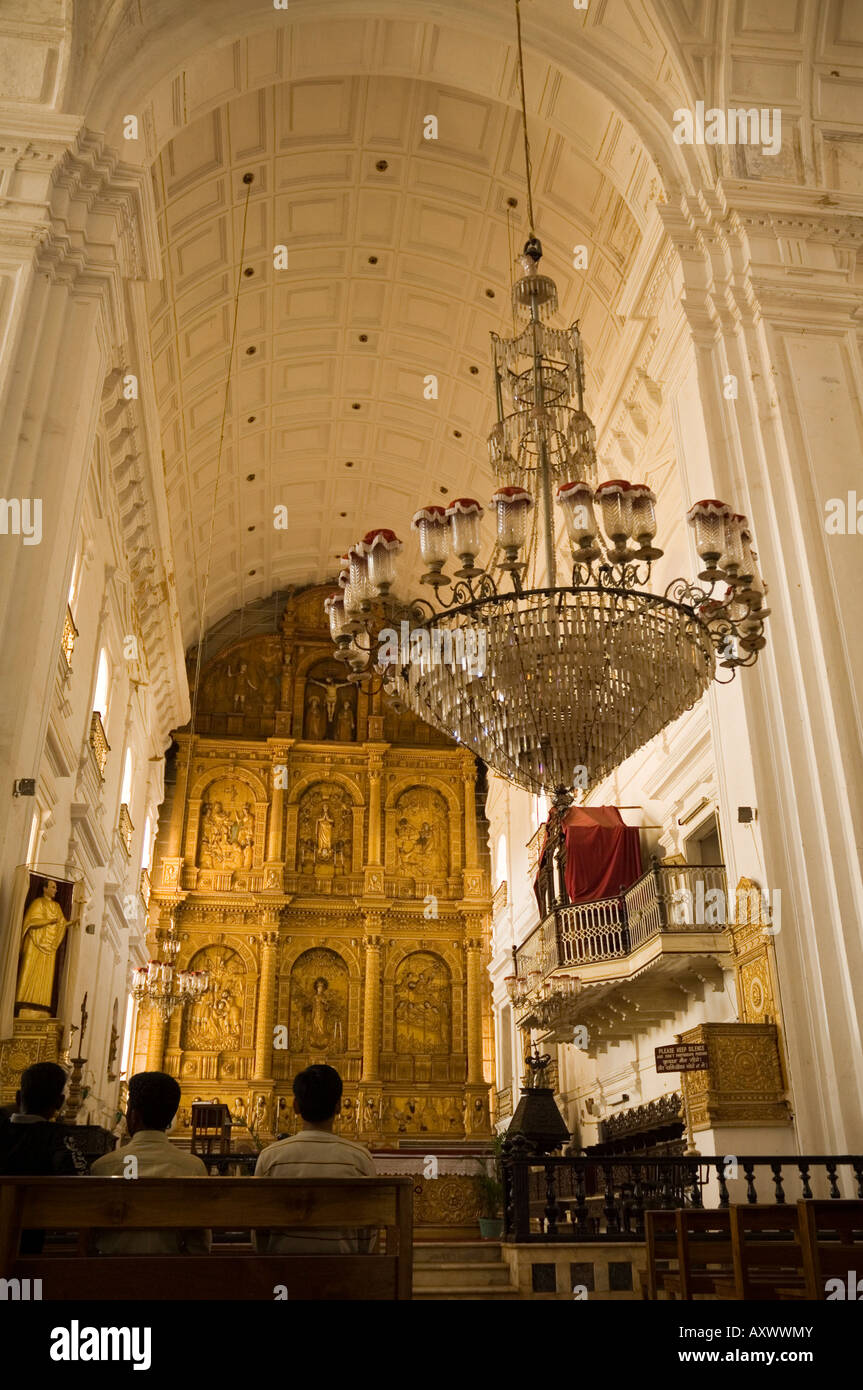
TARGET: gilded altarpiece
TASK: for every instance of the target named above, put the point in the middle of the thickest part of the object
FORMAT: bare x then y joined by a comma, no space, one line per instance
323,859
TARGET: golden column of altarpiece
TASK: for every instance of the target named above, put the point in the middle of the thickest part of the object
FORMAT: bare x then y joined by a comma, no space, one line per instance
322,859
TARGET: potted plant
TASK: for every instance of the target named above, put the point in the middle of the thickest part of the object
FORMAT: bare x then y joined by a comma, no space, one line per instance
489,1192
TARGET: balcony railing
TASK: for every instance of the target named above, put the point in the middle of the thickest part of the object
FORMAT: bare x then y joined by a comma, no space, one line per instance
667,898
67,641
98,742
126,828
144,888
576,1199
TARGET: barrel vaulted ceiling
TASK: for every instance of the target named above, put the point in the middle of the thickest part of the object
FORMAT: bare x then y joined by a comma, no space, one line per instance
394,274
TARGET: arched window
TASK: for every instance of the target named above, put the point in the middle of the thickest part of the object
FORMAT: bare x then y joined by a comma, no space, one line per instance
126,791
146,845
500,862
541,809
103,684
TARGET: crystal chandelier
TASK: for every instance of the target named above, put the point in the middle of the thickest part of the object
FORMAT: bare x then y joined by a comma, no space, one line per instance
552,681
545,999
160,986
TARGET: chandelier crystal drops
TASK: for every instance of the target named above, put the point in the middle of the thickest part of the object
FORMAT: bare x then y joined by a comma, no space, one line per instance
552,683
160,986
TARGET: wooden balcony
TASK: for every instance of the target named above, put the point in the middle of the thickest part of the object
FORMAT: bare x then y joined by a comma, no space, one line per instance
99,745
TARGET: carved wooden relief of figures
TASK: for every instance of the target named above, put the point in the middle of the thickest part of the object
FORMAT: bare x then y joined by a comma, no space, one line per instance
325,829
214,1022
330,710
423,1004
319,1003
227,837
422,833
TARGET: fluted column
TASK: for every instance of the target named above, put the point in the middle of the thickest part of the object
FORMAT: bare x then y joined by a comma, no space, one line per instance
372,944
470,848
473,972
269,940
277,806
156,1042
374,810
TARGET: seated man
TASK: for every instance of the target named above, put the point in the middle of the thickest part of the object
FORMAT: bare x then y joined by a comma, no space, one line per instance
154,1098
30,1145
316,1152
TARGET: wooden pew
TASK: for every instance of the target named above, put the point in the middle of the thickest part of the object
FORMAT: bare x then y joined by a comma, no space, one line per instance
660,1243
703,1252
767,1251
86,1204
832,1245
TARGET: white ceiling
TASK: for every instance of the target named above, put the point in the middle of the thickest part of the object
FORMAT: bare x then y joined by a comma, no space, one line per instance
436,219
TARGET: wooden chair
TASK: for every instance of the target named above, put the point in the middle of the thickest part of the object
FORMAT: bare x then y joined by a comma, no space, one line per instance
767,1252
211,1128
84,1205
832,1234
660,1243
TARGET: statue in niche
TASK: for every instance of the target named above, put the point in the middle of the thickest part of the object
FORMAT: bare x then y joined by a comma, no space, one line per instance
324,836
241,685
422,1005
227,828
345,723
316,720
319,996
214,1022
42,934
324,828
331,690
421,833
428,1119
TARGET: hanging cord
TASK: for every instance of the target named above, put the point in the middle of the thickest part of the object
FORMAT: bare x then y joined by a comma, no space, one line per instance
248,178
527,162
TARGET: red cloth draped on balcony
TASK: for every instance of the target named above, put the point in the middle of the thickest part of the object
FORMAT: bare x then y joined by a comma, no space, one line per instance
602,853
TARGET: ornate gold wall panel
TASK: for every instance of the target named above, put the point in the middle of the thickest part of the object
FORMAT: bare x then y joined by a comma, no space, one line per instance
320,858
744,1085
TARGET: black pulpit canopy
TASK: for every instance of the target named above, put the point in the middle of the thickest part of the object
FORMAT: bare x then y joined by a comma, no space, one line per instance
538,1121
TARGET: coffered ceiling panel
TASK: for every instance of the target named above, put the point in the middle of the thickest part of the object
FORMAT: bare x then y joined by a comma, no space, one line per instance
352,389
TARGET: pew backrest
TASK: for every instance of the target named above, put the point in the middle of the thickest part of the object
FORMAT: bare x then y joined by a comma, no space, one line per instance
85,1205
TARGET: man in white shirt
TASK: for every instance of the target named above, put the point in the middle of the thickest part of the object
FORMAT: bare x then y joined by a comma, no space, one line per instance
154,1098
316,1152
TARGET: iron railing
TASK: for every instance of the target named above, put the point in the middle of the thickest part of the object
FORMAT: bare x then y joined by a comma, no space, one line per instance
578,1199
98,742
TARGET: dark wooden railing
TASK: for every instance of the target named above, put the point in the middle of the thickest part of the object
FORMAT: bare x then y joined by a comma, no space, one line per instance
587,1199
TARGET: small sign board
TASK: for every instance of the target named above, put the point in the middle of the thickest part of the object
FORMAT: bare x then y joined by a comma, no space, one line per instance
682,1057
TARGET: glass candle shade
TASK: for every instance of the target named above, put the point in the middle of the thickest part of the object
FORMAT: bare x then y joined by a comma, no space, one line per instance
731,557
434,533
334,607
382,547
464,515
576,502
616,503
512,505
707,519
643,513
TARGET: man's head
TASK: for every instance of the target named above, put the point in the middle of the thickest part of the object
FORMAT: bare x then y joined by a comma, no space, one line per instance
318,1095
49,891
42,1088
154,1098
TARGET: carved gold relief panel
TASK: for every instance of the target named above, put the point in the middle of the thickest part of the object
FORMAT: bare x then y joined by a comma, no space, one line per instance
421,829
319,1003
226,839
214,1022
423,1005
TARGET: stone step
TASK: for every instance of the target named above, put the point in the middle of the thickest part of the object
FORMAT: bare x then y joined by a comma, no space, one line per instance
458,1252
480,1276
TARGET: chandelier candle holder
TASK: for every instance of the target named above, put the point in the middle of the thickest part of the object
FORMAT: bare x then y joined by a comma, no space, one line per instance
159,985
578,672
